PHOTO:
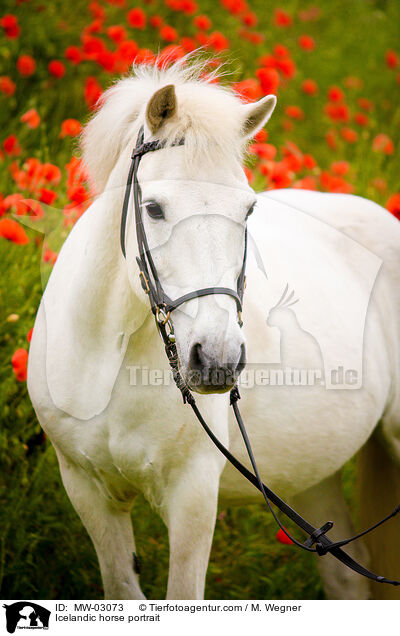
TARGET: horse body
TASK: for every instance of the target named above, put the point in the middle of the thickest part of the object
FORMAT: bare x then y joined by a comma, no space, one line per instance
116,436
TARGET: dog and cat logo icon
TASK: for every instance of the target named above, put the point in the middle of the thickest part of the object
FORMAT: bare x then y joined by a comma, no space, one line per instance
26,615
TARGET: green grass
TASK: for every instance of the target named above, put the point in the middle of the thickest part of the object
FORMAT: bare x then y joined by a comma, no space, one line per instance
45,552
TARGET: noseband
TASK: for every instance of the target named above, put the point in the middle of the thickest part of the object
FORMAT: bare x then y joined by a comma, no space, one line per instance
162,306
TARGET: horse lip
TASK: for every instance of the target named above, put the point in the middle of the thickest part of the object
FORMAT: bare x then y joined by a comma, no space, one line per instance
211,380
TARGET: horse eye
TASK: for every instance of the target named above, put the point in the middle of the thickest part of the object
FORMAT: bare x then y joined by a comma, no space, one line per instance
154,210
250,211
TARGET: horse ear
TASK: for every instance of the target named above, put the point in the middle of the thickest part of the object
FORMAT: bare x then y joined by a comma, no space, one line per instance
161,107
256,115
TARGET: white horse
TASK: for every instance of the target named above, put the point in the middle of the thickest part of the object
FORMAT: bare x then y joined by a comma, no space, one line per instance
115,436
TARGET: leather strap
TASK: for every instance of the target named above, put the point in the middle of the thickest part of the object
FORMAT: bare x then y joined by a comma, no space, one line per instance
204,292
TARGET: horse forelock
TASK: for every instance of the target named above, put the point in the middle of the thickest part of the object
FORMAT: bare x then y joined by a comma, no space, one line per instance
209,117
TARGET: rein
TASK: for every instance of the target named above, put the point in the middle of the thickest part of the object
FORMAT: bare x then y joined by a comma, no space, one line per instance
162,306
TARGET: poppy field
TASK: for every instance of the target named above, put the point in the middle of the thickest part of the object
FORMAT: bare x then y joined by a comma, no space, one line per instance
335,68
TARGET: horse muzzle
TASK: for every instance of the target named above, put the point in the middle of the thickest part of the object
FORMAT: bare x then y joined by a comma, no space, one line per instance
208,374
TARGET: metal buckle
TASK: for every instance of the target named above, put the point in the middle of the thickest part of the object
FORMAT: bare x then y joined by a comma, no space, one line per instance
163,319
144,282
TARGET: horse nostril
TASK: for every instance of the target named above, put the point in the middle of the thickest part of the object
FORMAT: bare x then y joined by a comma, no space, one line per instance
196,361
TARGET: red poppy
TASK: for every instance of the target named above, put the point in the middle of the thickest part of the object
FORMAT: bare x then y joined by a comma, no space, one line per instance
283,538
264,151
269,80
249,174
92,91
117,33
249,19
56,68
29,334
335,94
188,7
137,18
269,61
383,143
294,112
170,54
218,41
235,6
248,89
349,135
97,11
309,87
281,51
10,25
31,118
334,183
49,256
306,42
261,136
188,44
330,139
391,59
280,176
73,54
13,231
7,86
287,67
392,204
202,22
156,21
340,167
365,104
19,363
70,128
16,202
309,162
337,112
92,47
106,60
282,18
306,183
47,196
145,56
51,173
77,193
11,146
26,65
35,209
361,119
168,33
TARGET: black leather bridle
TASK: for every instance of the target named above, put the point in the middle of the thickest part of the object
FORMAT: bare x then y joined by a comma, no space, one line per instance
162,306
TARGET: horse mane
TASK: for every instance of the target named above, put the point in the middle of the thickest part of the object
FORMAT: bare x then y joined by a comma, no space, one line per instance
209,116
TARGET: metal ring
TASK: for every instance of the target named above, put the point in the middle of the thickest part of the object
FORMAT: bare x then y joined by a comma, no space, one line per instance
164,316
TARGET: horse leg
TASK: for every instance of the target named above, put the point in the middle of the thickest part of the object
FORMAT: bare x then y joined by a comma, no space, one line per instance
190,515
325,502
110,528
